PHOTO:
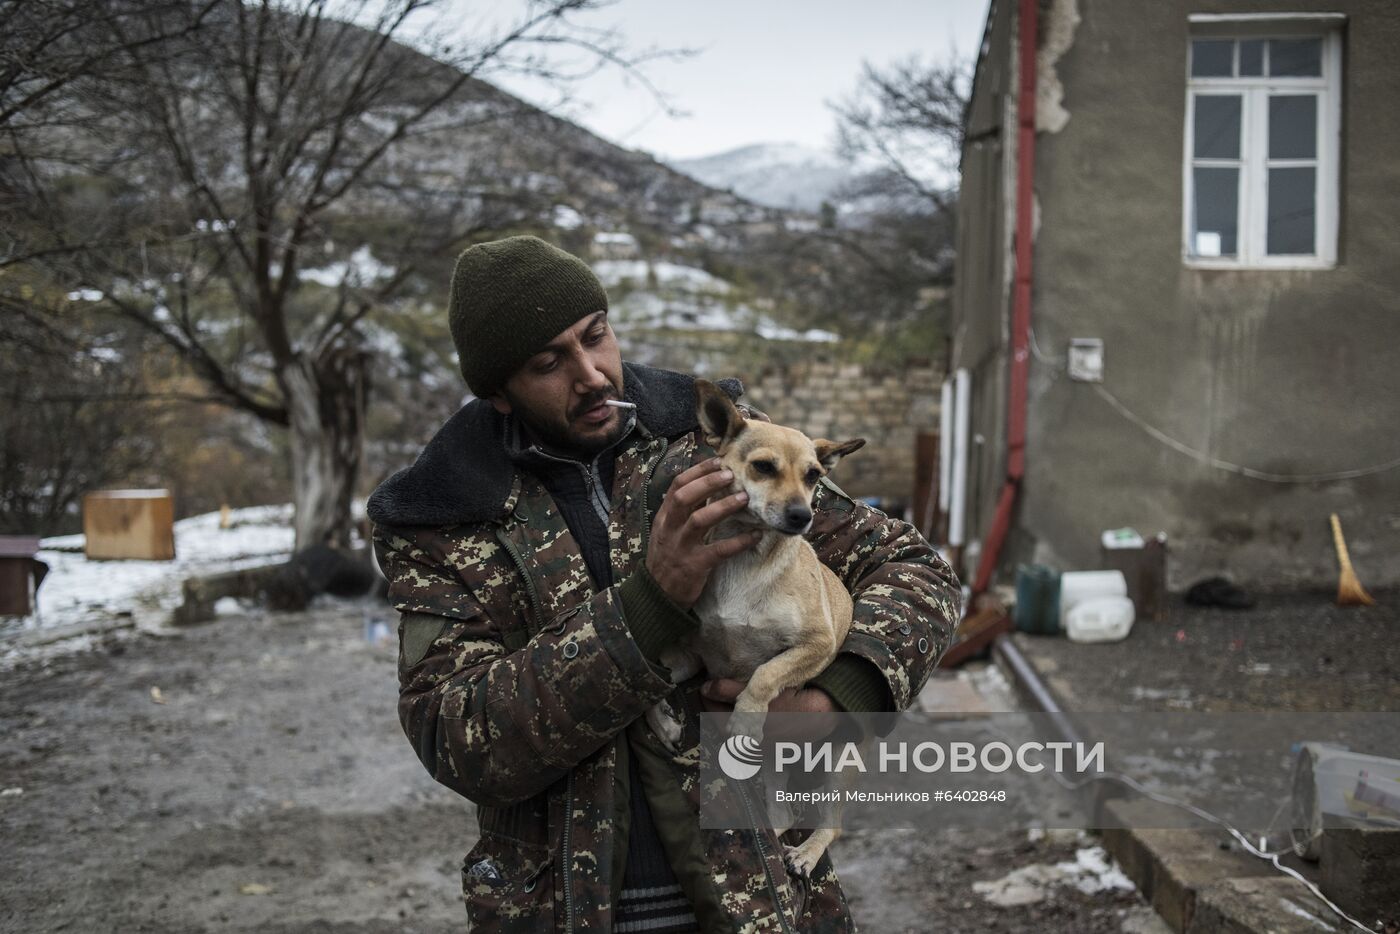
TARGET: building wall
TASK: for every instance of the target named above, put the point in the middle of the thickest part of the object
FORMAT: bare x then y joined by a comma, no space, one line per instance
982,279
815,388
1287,372
886,406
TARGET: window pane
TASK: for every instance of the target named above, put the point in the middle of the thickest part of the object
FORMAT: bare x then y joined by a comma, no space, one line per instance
1251,58
1295,58
1293,126
1212,58
1217,126
1216,211
1292,215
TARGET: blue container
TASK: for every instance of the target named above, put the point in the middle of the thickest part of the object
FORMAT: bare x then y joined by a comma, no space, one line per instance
1037,599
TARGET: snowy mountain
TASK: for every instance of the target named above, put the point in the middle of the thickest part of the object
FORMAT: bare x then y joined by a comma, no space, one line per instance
780,175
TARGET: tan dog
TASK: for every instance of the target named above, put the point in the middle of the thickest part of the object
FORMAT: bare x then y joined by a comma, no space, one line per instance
774,615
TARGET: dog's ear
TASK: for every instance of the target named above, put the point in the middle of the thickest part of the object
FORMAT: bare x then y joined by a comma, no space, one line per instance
719,417
829,452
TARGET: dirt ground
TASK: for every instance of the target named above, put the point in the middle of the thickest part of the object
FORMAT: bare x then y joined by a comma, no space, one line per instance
1290,652
249,775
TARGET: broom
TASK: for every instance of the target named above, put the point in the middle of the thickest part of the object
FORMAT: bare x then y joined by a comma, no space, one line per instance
1349,589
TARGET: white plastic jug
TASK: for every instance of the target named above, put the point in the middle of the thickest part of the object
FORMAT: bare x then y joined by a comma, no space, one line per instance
1078,586
1100,619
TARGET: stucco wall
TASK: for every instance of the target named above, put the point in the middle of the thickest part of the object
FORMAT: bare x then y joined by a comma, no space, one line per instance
1284,372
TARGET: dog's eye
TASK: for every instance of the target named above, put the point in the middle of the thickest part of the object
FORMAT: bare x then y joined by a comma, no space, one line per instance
767,468
813,476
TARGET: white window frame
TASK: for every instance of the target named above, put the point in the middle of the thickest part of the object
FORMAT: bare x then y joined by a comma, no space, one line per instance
1252,201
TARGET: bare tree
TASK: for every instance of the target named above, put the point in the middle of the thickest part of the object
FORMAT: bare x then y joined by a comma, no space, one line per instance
878,264
67,422
219,189
907,121
47,46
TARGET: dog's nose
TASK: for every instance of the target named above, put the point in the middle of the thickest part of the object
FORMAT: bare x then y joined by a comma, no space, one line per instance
797,517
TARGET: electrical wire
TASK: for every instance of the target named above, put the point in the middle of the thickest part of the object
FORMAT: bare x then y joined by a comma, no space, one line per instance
1219,464
1257,851
1180,447
1250,848
1043,357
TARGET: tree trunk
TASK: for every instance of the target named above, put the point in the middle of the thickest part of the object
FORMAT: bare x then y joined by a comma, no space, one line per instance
326,400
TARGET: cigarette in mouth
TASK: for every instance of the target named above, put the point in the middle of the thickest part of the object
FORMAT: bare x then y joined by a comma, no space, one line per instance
620,405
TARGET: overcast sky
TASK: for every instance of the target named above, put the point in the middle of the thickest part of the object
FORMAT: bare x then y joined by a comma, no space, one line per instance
765,69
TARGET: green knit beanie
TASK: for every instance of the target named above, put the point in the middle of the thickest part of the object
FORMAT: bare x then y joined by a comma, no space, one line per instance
511,297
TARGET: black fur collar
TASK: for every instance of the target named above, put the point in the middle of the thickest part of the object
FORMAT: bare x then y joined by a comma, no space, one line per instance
463,474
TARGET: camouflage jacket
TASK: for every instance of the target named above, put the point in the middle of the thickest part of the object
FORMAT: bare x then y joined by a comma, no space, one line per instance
520,685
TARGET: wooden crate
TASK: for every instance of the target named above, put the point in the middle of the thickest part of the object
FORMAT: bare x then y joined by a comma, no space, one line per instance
129,524
19,574
976,632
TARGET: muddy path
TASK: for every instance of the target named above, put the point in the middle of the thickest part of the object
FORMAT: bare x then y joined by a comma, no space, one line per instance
250,775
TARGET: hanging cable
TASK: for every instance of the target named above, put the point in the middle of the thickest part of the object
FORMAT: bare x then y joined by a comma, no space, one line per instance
1057,363
1045,358
1219,464
1250,848
1257,851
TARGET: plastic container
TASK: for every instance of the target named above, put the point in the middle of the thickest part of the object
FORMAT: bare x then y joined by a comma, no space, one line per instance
1144,565
1115,539
1078,586
1037,599
1100,619
1333,786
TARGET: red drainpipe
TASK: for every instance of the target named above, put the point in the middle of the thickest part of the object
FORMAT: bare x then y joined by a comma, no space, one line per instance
1021,298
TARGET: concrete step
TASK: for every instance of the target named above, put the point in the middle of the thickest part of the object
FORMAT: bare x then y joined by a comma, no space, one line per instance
1276,904
1198,881
1200,887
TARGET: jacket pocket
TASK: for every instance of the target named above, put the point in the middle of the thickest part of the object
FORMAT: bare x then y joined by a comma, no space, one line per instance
508,886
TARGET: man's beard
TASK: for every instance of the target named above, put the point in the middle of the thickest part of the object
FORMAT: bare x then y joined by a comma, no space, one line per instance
560,437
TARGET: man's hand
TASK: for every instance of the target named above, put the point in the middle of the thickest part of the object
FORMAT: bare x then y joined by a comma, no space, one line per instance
717,696
678,558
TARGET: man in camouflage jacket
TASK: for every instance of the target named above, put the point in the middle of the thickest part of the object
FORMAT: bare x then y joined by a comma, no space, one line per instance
523,685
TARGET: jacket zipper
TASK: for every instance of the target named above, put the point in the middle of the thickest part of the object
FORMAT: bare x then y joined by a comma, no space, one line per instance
569,794
568,856
535,606
646,505
594,481
763,856
744,797
591,478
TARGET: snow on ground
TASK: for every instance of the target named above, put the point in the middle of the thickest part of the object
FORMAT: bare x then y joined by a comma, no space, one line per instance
670,295
361,269
78,591
688,278
1091,871
615,238
649,310
706,312
382,340
566,218
774,332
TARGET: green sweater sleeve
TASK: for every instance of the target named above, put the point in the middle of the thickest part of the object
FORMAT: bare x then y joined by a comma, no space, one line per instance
855,684
653,619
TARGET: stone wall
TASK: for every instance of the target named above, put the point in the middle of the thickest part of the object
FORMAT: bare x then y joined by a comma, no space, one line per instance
885,406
